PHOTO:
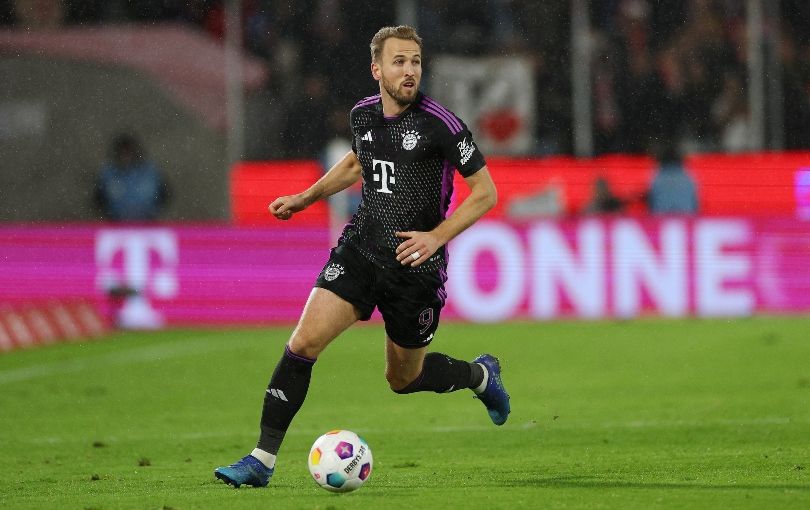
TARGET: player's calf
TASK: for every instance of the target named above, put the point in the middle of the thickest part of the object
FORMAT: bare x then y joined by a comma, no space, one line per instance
443,374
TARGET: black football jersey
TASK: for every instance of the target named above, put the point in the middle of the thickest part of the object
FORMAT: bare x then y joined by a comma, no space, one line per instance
408,165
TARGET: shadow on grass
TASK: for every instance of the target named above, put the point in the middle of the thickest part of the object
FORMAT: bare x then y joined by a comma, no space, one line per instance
583,482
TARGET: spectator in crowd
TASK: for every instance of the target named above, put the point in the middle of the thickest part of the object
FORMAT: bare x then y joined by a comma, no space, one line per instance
38,14
796,86
730,114
673,191
603,200
130,187
341,205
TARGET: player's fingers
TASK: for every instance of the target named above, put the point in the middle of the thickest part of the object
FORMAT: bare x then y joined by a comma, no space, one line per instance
418,257
281,209
406,235
282,215
413,256
275,205
404,252
404,245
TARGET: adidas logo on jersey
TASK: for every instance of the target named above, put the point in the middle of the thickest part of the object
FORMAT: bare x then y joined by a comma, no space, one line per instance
367,136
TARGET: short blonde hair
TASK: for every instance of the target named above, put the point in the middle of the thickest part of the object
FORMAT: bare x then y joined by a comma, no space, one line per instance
400,32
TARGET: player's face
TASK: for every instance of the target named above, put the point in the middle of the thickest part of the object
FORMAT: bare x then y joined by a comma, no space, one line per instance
400,70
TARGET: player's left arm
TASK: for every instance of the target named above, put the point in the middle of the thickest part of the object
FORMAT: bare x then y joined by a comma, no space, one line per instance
483,197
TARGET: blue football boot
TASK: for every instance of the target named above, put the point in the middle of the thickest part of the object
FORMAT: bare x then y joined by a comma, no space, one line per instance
494,396
248,470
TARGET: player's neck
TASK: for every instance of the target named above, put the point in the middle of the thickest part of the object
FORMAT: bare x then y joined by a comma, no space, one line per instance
390,106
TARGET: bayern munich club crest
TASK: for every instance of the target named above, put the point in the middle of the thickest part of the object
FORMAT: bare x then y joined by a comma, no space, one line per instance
410,139
332,272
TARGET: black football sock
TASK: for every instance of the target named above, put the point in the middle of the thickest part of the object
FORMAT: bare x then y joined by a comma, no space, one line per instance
477,376
443,374
285,395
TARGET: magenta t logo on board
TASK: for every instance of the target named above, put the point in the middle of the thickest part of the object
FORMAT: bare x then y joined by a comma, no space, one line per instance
138,264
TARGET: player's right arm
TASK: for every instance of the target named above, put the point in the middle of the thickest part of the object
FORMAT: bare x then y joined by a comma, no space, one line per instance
342,175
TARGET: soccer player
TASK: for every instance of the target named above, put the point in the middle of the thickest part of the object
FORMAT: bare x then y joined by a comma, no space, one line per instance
392,255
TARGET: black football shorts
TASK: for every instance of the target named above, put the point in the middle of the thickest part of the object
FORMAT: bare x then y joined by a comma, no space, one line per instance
410,303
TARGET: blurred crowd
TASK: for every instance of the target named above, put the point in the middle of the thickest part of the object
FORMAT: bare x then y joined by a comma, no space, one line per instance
672,70
677,70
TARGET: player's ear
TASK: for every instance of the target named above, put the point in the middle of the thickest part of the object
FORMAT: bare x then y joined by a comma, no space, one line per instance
376,73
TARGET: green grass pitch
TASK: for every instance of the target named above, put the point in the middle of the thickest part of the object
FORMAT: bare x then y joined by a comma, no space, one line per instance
640,414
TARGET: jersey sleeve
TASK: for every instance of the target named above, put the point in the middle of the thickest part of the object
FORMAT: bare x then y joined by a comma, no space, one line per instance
459,147
352,130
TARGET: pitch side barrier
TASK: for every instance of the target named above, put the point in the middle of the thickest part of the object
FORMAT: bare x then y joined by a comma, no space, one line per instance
589,268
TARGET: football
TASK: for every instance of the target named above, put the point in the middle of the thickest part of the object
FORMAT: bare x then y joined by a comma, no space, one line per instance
340,461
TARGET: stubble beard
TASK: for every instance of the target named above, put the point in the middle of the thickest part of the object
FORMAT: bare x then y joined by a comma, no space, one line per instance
398,97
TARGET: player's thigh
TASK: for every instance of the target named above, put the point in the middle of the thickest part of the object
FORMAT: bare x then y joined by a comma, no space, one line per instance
411,308
349,275
325,316
402,365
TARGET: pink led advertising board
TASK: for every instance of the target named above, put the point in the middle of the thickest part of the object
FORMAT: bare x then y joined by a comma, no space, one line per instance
173,275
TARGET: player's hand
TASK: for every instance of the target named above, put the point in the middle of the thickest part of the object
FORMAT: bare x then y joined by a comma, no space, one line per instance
284,207
417,247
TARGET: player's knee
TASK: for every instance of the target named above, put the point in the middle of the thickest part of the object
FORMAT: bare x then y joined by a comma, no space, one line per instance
306,345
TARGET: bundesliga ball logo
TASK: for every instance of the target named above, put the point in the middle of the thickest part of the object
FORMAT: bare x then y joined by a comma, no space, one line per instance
340,461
